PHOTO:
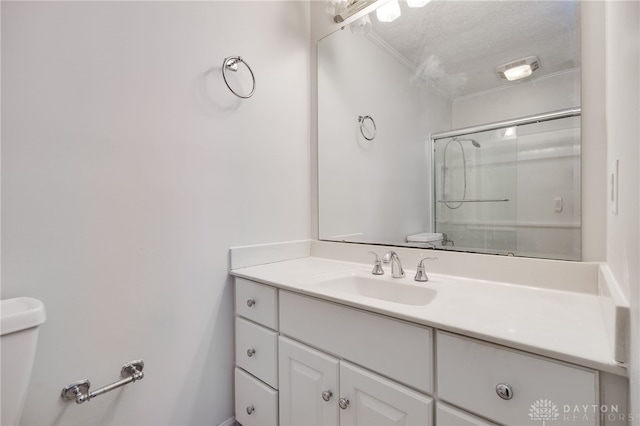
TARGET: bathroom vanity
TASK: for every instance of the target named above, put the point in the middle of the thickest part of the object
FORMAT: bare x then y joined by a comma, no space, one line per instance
322,341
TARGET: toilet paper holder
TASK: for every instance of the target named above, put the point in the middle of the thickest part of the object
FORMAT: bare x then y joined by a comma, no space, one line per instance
130,372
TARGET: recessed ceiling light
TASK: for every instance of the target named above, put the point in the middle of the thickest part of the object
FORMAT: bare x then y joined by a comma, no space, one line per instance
520,68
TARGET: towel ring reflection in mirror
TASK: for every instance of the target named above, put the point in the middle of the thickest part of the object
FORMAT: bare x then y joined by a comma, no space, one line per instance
361,120
230,63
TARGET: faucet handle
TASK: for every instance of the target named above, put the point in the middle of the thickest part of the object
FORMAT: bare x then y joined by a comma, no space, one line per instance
421,275
377,266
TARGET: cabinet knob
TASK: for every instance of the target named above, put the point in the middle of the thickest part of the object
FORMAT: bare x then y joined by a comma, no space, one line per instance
343,403
250,410
251,302
326,395
504,391
251,352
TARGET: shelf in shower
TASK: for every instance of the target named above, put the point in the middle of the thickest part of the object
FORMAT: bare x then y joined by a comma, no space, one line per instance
488,200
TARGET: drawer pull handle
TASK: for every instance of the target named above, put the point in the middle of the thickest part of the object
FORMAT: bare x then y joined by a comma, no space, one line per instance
251,352
251,302
326,395
343,403
250,410
504,391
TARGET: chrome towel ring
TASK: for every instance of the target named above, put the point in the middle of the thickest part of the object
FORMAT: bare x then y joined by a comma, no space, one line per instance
361,120
230,63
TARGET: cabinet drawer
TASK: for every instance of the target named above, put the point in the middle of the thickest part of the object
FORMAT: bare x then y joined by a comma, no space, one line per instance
449,416
470,371
257,302
256,403
257,351
396,349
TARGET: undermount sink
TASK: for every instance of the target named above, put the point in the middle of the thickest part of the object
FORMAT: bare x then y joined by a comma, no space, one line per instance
381,288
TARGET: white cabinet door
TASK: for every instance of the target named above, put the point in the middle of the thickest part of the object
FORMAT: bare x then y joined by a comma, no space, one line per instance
308,386
370,400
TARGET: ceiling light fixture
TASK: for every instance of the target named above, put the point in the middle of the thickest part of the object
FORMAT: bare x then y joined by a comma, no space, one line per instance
417,3
520,68
389,12
336,7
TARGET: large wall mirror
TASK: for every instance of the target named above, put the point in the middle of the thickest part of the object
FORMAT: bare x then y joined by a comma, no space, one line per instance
455,126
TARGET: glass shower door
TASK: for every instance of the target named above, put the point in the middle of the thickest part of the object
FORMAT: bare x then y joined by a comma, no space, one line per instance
512,190
476,191
549,213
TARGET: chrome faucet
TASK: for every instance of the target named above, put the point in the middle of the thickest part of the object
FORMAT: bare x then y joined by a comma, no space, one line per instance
396,265
446,240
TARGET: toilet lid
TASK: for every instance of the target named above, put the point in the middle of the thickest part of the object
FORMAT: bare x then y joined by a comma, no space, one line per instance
20,313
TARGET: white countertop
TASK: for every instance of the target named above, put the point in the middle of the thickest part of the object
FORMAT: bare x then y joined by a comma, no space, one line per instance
568,326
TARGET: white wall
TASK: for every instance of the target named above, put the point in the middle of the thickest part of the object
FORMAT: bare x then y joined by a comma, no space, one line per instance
593,133
528,97
375,191
622,20
321,26
128,170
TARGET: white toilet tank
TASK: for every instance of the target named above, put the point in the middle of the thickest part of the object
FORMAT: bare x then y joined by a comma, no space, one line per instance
19,321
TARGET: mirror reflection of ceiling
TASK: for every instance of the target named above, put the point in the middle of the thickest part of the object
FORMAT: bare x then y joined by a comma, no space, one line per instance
456,45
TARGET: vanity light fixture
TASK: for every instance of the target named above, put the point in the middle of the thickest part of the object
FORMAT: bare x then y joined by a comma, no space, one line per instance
417,3
520,68
336,7
388,12
342,9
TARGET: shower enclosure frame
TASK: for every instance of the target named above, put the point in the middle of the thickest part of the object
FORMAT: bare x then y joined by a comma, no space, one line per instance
465,131
539,118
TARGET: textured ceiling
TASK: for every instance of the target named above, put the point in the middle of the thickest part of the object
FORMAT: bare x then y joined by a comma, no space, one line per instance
456,45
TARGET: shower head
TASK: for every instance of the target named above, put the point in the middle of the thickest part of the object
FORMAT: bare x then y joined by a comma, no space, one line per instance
473,141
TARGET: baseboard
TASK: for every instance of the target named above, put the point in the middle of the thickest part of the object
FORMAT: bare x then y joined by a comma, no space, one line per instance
229,422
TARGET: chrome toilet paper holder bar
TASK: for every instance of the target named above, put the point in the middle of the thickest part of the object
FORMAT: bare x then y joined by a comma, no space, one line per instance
131,372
